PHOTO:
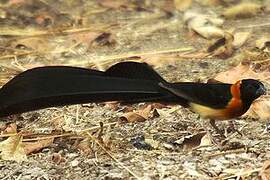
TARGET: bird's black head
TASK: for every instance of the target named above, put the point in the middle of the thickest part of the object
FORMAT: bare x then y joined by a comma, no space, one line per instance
251,89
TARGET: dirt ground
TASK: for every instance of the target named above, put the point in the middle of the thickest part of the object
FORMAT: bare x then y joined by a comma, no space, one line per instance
97,34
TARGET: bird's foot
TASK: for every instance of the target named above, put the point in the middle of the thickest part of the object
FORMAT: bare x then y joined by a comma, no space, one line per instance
232,128
218,130
214,140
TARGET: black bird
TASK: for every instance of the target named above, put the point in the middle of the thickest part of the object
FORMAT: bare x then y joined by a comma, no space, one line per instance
128,82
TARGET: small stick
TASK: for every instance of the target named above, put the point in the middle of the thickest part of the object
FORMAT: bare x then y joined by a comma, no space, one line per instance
116,160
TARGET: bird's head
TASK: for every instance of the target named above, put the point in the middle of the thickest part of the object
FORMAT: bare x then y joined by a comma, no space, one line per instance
251,89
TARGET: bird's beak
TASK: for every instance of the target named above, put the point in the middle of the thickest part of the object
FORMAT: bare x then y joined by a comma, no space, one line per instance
262,91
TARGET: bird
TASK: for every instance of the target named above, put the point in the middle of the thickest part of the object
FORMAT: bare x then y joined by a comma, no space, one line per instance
127,82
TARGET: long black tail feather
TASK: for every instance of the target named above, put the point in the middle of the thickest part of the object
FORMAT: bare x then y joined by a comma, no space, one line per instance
57,86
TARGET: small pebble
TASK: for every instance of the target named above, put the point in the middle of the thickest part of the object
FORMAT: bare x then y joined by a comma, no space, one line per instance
74,163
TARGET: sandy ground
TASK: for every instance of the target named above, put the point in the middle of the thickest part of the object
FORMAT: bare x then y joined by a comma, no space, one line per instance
163,147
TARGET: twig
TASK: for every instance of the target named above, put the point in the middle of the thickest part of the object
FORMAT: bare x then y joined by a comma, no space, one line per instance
11,174
35,32
116,160
135,54
253,26
96,127
241,173
226,152
48,137
8,135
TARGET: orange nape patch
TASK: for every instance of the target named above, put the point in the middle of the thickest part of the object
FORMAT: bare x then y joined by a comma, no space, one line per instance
233,109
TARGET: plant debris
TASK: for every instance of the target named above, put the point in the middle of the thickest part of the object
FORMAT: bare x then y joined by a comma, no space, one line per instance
243,10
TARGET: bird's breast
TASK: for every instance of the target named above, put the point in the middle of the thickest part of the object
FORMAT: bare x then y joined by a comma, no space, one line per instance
232,110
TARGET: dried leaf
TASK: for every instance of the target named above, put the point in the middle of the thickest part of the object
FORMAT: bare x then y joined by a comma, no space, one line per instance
182,5
159,105
206,140
30,147
104,39
84,146
260,109
208,32
146,112
132,117
241,72
240,38
222,47
205,19
44,19
57,158
84,37
58,122
263,43
137,116
265,171
206,26
243,10
12,149
191,141
34,44
10,129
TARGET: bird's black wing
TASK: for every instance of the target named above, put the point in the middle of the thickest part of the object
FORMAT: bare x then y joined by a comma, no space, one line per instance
214,95
134,70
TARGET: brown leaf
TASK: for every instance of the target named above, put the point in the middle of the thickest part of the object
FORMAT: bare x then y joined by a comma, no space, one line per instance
204,25
240,38
191,141
206,140
222,47
84,146
10,129
159,105
242,72
104,39
265,171
57,158
132,117
44,19
260,109
243,10
137,116
12,149
263,43
34,44
58,122
84,37
182,5
31,147
146,112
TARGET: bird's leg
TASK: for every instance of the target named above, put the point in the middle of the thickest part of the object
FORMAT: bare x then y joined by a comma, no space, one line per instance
219,131
232,127
206,128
